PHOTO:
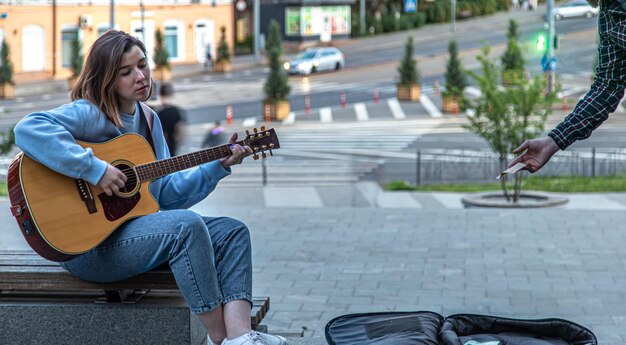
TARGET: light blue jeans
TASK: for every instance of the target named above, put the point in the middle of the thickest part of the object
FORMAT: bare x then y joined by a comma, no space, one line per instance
211,258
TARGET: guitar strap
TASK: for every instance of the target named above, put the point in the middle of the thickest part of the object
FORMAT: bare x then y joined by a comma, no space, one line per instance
147,119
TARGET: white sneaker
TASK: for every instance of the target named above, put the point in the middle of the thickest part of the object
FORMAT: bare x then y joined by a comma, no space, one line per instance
256,338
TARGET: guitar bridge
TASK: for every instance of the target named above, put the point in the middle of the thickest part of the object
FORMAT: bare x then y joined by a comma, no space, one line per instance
85,194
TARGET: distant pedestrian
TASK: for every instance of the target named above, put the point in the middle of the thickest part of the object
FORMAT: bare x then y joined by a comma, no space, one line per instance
208,61
216,136
515,4
172,117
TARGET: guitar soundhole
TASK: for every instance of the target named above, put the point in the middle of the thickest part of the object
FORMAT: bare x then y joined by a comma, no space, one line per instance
132,181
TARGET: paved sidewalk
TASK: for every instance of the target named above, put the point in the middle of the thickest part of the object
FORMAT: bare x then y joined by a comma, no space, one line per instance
324,261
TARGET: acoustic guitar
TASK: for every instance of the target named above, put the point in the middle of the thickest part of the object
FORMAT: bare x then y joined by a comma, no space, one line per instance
61,217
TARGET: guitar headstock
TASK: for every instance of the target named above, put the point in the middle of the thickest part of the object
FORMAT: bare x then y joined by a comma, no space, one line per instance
261,141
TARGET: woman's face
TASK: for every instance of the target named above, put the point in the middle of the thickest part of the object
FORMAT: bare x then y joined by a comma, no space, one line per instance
133,80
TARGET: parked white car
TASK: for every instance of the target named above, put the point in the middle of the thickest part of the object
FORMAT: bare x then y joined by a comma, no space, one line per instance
574,8
316,60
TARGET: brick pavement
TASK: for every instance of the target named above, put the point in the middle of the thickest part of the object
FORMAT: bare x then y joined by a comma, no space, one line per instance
320,262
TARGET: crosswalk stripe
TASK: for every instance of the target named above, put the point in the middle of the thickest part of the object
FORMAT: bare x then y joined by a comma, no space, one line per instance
361,112
326,115
396,109
430,107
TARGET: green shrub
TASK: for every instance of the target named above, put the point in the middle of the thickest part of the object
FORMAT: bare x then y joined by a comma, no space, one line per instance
223,51
6,67
161,56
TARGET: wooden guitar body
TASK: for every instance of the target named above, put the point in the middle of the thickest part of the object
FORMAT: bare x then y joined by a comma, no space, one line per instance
56,220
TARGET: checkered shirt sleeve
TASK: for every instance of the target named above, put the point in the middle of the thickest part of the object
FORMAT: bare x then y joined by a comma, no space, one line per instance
608,87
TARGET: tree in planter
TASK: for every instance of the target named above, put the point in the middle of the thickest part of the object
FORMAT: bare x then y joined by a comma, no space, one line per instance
276,86
274,40
6,71
223,52
505,117
161,56
76,63
409,74
512,59
456,80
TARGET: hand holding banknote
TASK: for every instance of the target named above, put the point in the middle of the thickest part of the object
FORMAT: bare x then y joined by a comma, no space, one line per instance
535,153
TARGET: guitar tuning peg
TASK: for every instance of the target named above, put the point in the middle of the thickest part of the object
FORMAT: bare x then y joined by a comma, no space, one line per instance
263,155
271,145
255,130
255,157
247,133
262,128
271,154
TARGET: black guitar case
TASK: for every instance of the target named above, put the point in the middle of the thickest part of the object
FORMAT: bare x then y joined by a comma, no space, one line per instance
428,328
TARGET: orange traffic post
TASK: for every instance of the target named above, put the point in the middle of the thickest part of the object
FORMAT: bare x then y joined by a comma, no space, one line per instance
307,104
267,113
229,114
375,96
436,87
343,100
564,103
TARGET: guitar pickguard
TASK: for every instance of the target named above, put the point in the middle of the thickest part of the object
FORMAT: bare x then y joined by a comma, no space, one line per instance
116,207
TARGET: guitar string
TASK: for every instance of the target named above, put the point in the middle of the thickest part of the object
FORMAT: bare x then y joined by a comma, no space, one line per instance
177,163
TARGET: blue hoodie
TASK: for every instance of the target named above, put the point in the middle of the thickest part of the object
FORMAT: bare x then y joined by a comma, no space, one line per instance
50,138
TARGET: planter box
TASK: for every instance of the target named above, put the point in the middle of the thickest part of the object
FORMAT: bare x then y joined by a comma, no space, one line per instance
222,67
409,92
162,74
278,110
450,104
7,91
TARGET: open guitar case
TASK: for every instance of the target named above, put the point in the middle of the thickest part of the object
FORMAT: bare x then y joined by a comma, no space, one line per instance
429,328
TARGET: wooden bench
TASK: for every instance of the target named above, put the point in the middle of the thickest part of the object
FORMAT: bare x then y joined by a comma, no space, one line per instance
25,275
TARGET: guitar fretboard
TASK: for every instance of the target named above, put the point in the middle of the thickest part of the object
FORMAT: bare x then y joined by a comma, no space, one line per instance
153,170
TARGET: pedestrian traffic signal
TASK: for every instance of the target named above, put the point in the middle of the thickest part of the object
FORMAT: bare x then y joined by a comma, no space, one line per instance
541,42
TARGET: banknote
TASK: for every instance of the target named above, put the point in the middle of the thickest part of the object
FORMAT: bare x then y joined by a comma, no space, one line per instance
512,170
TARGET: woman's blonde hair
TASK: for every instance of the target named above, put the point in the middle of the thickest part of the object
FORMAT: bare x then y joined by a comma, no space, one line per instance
97,80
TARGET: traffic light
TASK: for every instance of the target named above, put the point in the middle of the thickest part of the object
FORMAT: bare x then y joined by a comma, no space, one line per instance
541,42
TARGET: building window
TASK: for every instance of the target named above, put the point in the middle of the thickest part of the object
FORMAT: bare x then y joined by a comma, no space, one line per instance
171,41
67,36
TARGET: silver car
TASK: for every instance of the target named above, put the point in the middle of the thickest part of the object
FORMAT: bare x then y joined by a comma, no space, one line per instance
574,8
316,60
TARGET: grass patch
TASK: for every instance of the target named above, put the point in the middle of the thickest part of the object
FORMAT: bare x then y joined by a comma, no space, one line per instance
538,183
3,188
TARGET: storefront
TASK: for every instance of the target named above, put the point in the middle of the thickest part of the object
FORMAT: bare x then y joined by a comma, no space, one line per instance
306,22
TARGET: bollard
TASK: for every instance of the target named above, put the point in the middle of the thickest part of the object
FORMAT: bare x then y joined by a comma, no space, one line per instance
229,114
436,87
564,103
307,104
375,96
343,100
267,113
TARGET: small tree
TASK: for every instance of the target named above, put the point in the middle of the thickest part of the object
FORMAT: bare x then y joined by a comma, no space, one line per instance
505,117
512,59
274,40
161,56
6,67
223,51
276,86
76,57
456,79
408,71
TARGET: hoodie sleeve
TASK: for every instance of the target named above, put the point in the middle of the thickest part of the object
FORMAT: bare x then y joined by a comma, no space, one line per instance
48,138
185,188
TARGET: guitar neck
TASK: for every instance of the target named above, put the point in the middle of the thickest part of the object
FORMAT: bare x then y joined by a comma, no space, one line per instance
153,170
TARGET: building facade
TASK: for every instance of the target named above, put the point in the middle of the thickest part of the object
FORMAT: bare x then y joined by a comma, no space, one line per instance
40,33
307,22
